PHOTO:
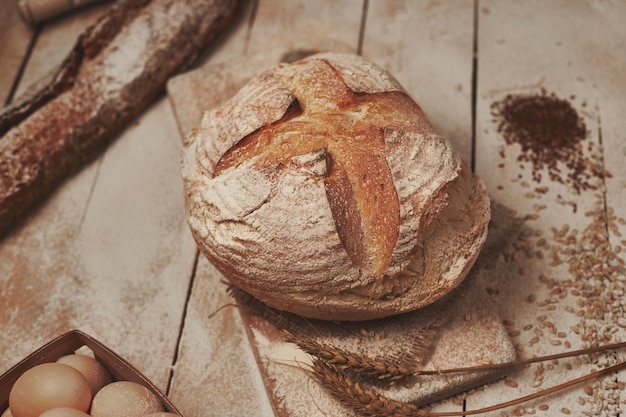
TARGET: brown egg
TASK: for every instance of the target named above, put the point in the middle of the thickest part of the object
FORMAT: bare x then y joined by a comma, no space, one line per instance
63,412
46,386
125,399
95,373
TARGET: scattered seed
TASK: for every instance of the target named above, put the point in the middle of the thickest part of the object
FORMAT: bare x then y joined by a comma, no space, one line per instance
511,383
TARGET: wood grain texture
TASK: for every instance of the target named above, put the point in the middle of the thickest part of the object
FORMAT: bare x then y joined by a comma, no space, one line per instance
113,259
22,278
216,373
110,254
547,296
72,263
53,43
16,38
428,48
303,25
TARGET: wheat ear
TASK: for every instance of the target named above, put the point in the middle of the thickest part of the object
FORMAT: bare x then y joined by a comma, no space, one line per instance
379,368
368,402
363,400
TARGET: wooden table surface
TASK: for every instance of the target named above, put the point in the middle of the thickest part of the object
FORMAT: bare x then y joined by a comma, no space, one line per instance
110,253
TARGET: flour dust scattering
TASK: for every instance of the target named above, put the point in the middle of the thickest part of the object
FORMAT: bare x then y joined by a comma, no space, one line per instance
552,136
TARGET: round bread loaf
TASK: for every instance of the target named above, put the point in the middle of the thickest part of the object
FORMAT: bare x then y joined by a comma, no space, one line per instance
321,189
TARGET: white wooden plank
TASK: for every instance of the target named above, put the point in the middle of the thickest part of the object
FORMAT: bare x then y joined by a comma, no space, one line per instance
304,25
31,262
112,258
427,46
16,36
54,42
187,91
32,256
110,252
134,255
216,373
548,302
610,51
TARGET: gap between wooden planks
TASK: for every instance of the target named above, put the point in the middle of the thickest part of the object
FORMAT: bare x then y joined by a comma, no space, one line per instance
107,252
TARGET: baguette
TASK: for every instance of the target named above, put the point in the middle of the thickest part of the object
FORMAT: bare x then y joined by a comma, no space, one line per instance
321,189
117,68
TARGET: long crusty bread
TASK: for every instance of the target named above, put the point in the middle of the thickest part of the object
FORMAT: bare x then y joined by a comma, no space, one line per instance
116,69
322,189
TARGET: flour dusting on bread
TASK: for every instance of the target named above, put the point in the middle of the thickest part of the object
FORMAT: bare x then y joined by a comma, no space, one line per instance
322,189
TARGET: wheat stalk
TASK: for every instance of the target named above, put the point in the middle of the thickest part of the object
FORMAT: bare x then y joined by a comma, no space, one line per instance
368,402
379,368
363,400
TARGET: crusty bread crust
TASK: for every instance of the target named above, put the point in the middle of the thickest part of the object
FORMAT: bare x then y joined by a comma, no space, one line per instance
322,189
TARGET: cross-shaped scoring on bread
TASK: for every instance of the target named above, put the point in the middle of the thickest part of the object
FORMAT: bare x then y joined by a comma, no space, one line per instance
346,130
316,186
